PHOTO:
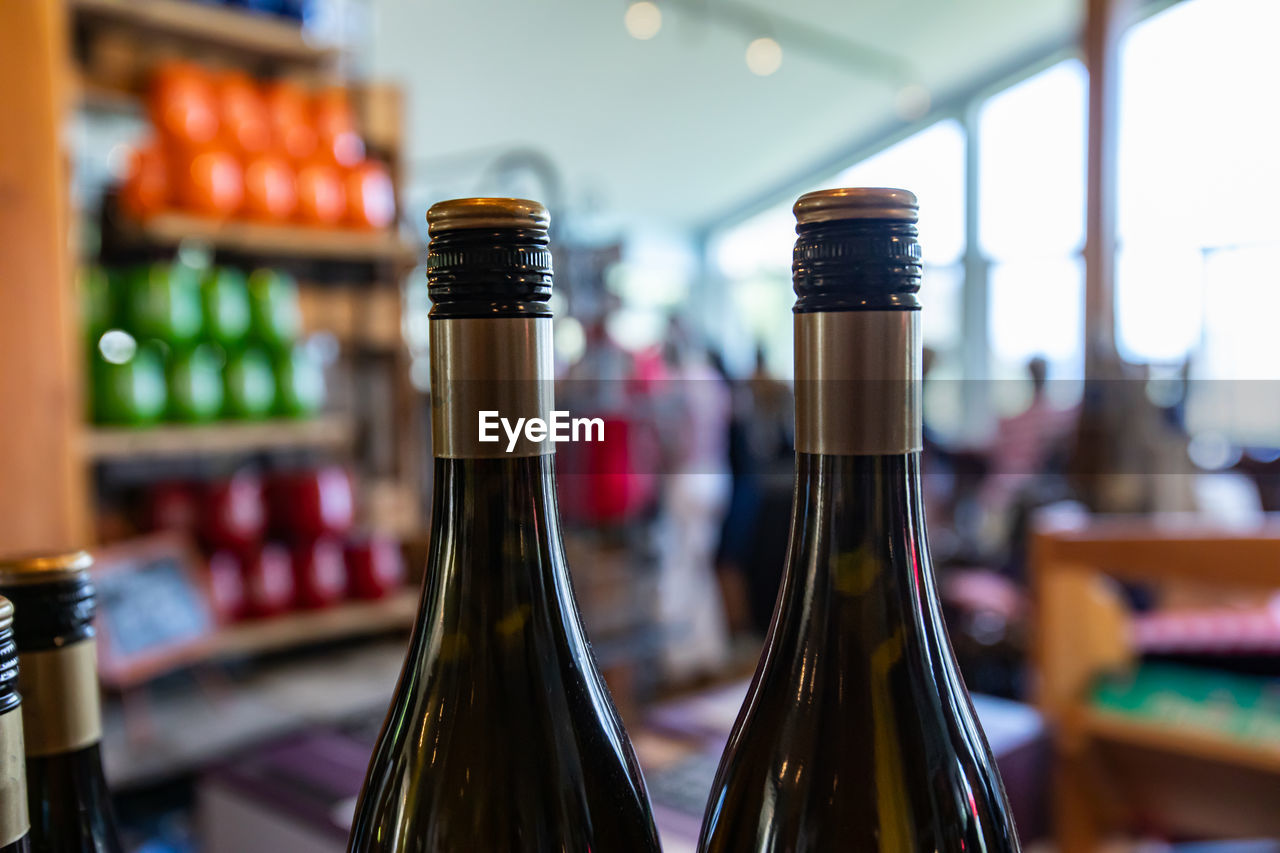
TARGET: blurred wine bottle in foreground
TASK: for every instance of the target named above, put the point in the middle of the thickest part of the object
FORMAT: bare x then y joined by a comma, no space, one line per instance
53,600
14,820
501,735
857,732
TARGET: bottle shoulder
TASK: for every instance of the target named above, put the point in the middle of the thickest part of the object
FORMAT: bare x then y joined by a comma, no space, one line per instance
79,813
503,777
835,774
515,745
858,728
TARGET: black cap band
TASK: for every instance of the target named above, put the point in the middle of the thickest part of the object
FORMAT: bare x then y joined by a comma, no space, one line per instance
856,265
500,272
51,615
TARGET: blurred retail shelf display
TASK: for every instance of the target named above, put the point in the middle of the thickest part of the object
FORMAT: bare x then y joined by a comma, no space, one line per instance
172,342
275,543
227,146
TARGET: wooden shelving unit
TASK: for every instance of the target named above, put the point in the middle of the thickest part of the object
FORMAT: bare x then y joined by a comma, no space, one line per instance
128,443
115,45
1111,768
282,241
60,56
210,26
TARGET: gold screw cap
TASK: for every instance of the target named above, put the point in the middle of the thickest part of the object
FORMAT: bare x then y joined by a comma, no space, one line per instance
460,213
43,568
857,203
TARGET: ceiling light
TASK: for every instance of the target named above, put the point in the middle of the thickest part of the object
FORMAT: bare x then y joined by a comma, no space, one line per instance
643,19
912,102
764,56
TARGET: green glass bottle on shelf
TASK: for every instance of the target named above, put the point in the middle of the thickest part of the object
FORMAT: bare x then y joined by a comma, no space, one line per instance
127,380
300,384
273,308
195,386
163,302
225,297
857,732
501,734
69,804
249,384
15,821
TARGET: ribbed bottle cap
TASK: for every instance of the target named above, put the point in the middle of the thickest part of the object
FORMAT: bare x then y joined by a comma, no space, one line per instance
43,568
459,213
856,250
856,203
489,257
52,596
9,698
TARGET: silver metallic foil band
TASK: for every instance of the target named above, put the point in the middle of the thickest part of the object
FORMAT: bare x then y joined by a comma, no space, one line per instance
858,382
61,708
13,779
501,365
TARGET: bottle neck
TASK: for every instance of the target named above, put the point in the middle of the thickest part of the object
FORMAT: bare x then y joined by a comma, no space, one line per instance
858,541
57,664
859,583
493,484
858,378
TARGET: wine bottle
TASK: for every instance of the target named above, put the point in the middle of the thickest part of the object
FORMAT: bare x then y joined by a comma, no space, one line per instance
857,732
501,734
14,820
70,806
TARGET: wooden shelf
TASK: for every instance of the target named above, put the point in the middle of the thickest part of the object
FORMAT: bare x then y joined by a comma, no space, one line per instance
95,97
1164,547
287,632
1184,741
352,619
274,240
173,729
224,438
243,33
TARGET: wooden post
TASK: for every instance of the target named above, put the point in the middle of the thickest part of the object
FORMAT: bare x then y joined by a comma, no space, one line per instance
42,489
1104,24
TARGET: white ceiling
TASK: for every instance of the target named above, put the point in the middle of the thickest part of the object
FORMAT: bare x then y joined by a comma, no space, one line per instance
674,131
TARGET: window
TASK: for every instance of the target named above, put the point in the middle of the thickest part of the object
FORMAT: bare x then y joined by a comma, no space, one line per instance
1031,179
1198,179
1198,269
755,256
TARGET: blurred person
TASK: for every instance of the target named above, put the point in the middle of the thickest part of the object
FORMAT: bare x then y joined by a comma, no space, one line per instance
750,556
605,366
1025,443
742,505
695,496
1025,470
768,413
611,483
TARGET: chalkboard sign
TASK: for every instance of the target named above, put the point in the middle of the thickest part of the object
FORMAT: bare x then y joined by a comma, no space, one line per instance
153,608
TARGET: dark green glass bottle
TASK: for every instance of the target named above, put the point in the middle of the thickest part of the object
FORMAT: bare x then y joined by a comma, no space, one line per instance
70,806
501,736
15,823
857,732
